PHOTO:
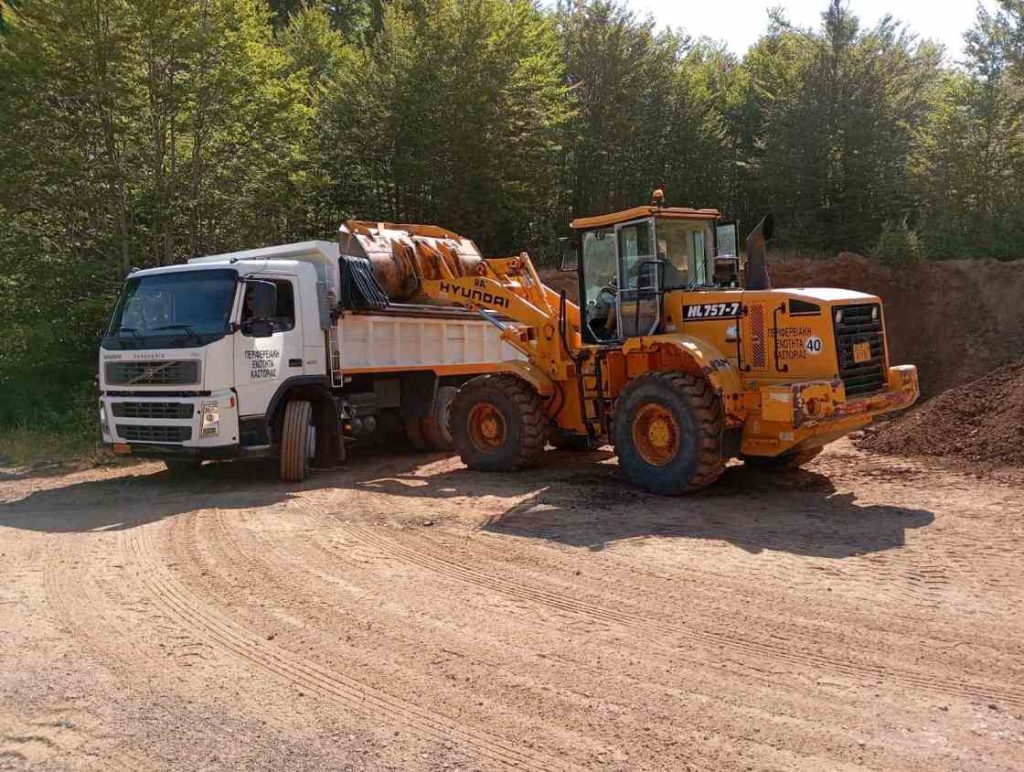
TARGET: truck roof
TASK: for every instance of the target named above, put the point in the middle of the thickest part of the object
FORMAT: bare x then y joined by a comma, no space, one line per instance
299,249
284,255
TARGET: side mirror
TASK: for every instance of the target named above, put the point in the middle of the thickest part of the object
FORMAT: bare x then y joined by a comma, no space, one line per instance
568,258
264,298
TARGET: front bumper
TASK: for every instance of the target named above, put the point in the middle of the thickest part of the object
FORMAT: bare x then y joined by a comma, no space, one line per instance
800,416
159,426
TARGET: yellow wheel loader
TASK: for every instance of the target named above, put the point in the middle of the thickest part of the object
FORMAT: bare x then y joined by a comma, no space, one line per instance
669,356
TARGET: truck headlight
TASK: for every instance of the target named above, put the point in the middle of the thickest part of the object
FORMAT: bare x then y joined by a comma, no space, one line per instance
874,313
104,426
839,316
211,419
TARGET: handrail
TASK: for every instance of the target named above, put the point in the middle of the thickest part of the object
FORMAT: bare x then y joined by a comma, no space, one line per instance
775,348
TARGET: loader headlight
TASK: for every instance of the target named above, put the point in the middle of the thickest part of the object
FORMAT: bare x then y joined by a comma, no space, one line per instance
211,419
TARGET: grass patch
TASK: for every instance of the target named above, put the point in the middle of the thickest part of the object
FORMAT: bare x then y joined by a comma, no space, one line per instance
25,446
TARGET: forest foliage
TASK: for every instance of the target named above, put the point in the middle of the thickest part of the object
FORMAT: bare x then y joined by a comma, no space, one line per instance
136,133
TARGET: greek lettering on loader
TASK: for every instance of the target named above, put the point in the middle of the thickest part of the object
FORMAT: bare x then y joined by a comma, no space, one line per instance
263,363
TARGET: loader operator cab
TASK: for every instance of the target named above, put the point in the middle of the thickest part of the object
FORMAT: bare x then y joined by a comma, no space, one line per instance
628,259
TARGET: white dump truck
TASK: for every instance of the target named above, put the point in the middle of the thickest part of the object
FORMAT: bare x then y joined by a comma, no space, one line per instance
293,350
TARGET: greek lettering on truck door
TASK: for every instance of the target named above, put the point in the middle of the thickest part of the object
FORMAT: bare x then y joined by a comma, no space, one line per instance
262,364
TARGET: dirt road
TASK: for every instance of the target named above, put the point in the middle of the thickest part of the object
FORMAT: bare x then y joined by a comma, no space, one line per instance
407,613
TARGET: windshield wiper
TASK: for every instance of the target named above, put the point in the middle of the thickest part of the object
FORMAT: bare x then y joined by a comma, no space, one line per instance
135,333
186,327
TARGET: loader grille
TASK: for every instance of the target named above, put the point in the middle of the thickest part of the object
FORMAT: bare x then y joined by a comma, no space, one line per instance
860,324
178,372
151,409
134,433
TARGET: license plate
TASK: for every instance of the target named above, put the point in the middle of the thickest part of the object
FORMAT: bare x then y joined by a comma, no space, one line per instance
861,352
122,448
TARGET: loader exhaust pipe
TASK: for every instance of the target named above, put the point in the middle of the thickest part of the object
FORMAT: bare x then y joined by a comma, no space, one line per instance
757,262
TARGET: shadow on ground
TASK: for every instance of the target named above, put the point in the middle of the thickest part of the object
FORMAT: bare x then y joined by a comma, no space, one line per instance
574,499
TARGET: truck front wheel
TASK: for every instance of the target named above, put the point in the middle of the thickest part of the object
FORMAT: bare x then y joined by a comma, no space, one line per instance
668,432
498,423
298,441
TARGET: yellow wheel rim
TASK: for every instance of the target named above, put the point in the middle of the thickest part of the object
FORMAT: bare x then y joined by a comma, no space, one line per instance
486,427
656,434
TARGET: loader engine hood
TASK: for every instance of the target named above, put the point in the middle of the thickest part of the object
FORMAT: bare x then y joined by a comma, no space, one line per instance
828,295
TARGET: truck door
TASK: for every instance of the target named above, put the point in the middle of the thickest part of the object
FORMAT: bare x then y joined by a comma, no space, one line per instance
261,365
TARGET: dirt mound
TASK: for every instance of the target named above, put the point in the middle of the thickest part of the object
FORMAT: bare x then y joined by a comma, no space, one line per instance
980,421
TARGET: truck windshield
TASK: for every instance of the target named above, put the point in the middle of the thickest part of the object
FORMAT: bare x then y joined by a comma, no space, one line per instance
184,304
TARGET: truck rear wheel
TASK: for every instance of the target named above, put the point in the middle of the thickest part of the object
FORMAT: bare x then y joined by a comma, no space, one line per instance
298,441
668,433
498,423
435,427
784,462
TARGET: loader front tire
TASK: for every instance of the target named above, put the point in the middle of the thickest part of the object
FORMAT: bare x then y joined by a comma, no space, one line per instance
298,441
498,423
668,433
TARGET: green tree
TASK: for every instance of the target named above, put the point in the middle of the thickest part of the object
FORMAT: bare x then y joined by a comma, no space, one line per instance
454,116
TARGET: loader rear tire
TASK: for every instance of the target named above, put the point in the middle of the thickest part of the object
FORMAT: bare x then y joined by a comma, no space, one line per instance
298,441
668,433
435,426
498,423
784,462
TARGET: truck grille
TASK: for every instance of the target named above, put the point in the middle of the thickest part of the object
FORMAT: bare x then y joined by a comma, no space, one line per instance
857,326
133,433
152,373
151,409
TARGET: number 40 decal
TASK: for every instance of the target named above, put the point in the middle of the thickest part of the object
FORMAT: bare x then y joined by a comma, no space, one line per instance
813,346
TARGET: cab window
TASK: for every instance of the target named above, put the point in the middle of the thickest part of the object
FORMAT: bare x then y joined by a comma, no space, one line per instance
683,247
600,282
284,315
636,250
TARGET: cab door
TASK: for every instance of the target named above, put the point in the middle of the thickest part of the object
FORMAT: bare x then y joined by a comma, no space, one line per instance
639,298
261,365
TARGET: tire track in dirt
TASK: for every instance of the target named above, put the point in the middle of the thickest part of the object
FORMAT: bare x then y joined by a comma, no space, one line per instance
746,646
787,727
227,635
71,594
288,570
818,608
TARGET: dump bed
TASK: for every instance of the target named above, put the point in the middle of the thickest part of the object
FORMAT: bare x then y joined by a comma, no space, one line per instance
449,341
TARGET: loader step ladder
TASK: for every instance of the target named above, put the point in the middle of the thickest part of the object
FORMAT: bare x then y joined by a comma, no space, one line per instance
596,407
